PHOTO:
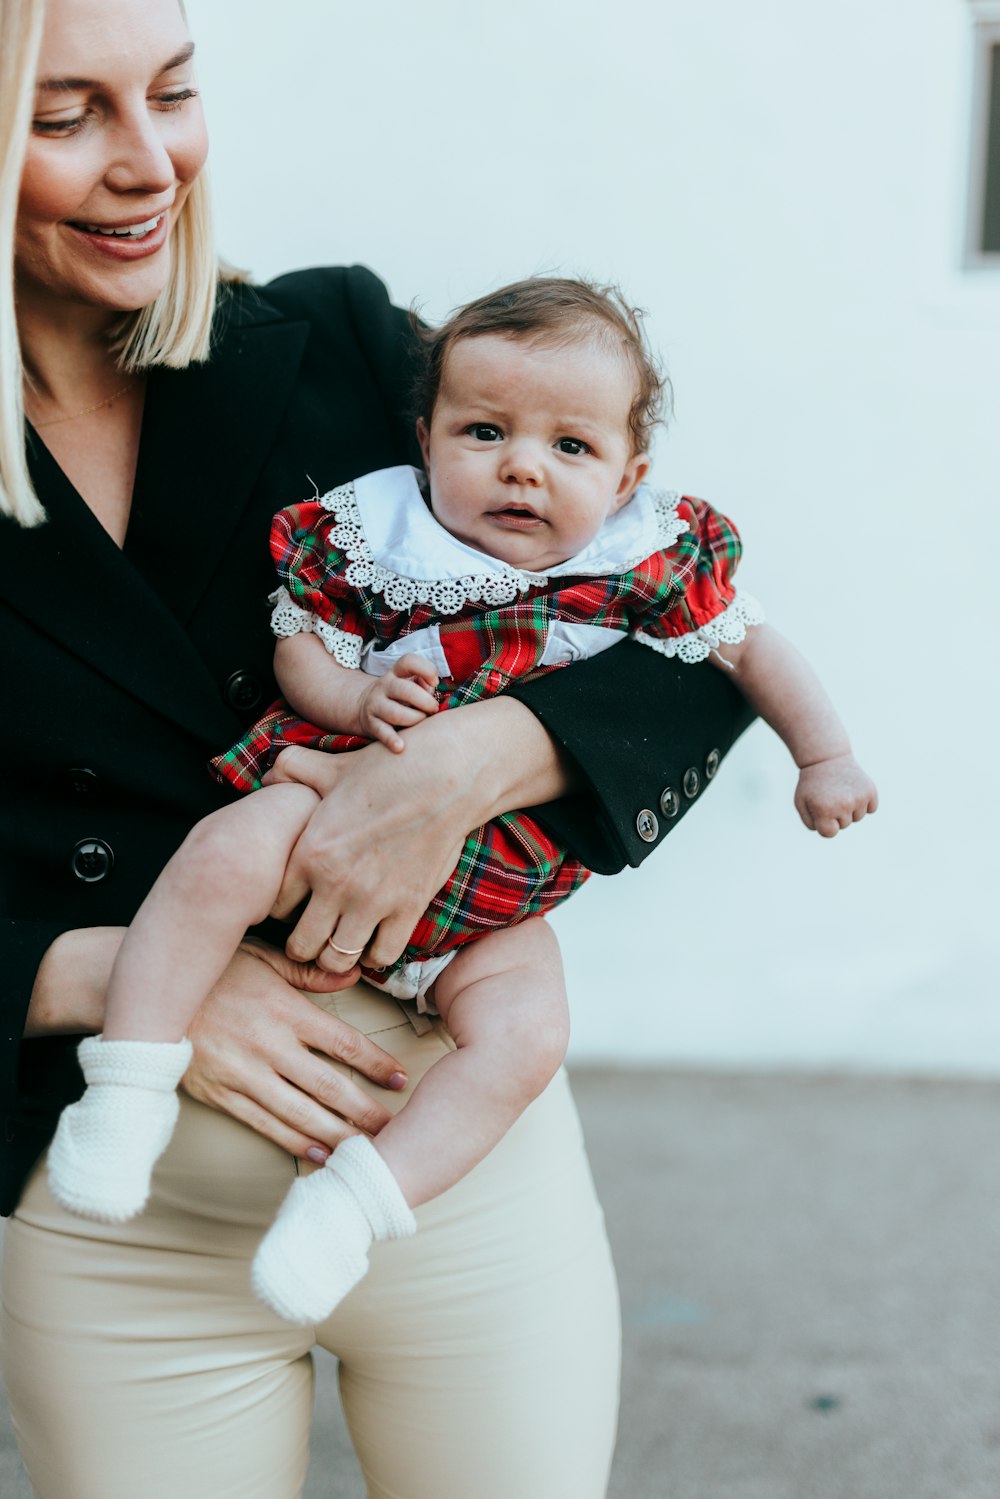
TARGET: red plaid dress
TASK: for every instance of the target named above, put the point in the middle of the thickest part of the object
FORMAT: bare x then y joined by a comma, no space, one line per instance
369,570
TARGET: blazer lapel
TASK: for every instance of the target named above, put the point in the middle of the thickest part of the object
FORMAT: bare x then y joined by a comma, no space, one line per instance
206,434
123,611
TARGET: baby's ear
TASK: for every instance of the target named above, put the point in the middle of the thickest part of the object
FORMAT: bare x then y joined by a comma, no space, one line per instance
424,439
635,471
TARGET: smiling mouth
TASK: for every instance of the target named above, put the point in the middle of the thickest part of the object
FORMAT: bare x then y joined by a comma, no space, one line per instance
128,231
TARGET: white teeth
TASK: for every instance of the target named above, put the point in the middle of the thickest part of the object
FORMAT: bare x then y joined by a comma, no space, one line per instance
134,231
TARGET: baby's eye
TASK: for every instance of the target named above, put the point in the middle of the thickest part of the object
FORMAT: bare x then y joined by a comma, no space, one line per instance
484,432
572,445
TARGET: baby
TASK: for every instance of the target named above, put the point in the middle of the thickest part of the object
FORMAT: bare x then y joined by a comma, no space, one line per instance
533,542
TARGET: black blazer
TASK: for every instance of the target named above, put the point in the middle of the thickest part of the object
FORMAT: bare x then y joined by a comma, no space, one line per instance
123,670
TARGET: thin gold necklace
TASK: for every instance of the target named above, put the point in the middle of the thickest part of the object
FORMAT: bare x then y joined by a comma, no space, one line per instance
72,416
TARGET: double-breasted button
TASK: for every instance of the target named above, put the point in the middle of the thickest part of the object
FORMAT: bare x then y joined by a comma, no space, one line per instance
92,860
670,802
243,690
712,760
647,826
691,783
81,781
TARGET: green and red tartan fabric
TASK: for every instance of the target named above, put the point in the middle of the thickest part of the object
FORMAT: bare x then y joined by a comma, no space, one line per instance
510,869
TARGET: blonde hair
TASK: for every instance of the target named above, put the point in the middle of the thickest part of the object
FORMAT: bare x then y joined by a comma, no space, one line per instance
174,330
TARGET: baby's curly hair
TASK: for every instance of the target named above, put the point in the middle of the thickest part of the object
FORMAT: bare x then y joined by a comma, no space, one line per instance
551,311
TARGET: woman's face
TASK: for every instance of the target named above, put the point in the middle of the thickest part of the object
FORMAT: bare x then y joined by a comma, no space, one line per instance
117,139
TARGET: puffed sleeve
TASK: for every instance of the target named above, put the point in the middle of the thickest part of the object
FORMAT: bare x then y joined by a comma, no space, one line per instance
314,596
687,602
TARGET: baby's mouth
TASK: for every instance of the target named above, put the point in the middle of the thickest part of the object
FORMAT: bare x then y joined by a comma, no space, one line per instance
519,516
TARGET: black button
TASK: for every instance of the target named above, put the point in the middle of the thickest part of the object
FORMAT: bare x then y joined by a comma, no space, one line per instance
670,802
712,760
82,782
243,691
691,783
92,860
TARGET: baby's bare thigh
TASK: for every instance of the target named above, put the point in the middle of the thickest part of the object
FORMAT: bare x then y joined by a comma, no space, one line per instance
507,983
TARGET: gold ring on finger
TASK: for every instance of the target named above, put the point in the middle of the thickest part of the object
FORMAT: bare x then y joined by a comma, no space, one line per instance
345,952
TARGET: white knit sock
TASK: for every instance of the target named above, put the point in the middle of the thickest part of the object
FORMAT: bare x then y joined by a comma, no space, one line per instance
317,1248
106,1146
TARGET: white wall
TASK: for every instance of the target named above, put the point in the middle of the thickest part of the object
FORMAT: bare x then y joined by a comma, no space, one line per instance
782,186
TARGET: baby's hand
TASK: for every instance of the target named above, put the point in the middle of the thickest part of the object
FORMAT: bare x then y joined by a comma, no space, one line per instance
400,698
834,793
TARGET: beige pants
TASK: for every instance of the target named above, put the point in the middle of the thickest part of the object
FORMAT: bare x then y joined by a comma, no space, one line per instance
479,1360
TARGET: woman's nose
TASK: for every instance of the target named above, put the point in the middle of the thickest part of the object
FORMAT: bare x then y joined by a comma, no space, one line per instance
521,464
140,162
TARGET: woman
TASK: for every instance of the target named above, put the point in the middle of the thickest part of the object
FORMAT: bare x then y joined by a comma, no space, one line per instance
135,643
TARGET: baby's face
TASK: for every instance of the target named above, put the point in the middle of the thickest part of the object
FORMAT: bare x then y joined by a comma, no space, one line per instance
529,450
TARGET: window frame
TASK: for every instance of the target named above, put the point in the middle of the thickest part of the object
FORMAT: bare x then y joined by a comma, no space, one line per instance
985,36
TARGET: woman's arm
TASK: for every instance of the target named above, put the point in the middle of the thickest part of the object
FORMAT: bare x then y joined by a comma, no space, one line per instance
256,1039
613,752
643,732
390,828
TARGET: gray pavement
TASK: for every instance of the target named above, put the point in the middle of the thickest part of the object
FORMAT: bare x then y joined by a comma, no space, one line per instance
810,1273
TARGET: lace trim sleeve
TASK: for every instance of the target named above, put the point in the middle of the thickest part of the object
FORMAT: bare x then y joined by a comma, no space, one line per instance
669,525
728,628
289,618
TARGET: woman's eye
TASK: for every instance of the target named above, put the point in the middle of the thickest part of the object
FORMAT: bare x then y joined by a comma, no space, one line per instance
485,432
171,101
572,445
58,127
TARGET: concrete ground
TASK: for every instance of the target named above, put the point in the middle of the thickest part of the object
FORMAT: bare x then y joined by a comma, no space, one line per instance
810,1273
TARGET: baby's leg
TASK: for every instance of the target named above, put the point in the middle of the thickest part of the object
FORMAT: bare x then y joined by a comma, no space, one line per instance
224,878
504,1000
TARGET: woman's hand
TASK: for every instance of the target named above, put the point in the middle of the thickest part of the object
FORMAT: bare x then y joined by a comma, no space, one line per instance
255,1039
384,840
390,828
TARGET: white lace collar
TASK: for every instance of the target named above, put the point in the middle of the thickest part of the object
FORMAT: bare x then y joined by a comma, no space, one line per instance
398,548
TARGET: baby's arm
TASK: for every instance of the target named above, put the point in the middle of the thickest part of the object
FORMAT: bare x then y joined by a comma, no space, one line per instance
833,790
349,701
